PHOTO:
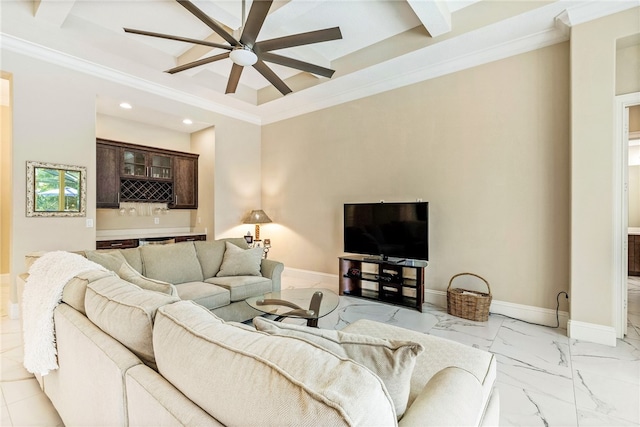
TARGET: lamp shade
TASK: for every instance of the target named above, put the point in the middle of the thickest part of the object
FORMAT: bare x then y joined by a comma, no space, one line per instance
257,217
243,57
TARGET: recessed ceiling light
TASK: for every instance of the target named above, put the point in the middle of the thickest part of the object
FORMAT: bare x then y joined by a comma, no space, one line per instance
126,106
187,121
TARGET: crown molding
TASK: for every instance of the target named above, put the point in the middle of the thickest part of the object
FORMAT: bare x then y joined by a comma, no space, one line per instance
361,84
56,57
586,12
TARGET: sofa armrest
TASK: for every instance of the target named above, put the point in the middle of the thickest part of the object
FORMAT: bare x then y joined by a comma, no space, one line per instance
452,397
272,270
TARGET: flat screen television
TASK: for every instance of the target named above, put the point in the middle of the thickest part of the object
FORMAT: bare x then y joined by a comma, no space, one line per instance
390,231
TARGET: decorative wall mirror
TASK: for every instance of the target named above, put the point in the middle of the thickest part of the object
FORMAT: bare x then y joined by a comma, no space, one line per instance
55,190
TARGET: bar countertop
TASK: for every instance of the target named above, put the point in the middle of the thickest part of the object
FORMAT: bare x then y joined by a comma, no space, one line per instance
102,235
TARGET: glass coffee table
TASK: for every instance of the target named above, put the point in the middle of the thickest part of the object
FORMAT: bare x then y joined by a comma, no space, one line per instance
291,303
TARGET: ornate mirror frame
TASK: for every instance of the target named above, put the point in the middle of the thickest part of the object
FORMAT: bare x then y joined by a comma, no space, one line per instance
79,205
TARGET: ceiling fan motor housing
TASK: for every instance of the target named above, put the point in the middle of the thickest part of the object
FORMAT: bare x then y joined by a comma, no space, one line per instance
243,56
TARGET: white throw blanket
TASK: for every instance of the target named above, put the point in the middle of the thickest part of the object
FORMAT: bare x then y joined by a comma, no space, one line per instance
42,293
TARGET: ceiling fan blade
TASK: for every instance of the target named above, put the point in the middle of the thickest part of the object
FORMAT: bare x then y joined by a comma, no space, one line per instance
208,21
234,78
272,77
298,65
257,15
177,38
299,39
198,63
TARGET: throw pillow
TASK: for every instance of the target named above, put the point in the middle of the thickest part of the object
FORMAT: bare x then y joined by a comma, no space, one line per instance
175,263
392,361
245,377
126,312
240,262
111,260
128,273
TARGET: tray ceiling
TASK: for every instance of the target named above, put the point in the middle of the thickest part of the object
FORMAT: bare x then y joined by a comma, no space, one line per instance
385,44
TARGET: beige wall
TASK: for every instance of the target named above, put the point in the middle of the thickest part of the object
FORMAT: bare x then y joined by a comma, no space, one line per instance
204,143
593,85
237,186
487,147
628,66
55,121
5,176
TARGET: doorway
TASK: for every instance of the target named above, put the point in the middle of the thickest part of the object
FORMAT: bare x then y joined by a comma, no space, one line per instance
621,210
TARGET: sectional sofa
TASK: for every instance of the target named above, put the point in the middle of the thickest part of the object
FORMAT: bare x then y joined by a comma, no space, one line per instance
129,356
218,274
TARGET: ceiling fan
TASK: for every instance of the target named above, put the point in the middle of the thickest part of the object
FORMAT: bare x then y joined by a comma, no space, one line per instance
247,51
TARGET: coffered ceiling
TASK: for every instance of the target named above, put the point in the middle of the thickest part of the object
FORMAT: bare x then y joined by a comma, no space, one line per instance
385,44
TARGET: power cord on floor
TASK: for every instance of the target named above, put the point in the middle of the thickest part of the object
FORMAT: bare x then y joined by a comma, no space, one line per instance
566,295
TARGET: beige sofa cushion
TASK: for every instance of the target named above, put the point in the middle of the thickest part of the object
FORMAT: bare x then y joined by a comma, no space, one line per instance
439,353
115,261
126,312
243,287
393,361
110,259
75,290
240,262
131,255
129,274
174,263
205,294
210,255
241,376
452,397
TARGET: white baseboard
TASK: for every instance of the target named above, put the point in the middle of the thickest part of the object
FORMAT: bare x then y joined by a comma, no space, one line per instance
527,313
591,332
297,278
313,276
438,298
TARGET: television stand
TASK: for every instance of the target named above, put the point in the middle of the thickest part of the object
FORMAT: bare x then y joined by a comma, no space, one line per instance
390,281
382,258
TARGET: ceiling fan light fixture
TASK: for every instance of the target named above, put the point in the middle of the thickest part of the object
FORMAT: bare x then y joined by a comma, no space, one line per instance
243,56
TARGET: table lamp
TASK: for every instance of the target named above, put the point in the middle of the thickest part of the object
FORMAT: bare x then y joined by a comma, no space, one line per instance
257,217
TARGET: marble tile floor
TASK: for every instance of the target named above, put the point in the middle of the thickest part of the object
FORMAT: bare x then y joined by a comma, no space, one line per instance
544,378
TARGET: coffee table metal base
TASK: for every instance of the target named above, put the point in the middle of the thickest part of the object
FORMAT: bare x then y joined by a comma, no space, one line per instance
311,314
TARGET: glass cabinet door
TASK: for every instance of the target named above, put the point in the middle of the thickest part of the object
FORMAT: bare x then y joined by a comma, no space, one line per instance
134,163
160,166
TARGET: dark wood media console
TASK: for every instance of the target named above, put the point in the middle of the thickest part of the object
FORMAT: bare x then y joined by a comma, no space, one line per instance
385,281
